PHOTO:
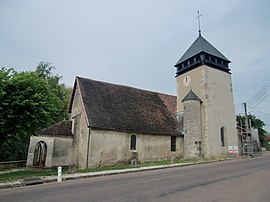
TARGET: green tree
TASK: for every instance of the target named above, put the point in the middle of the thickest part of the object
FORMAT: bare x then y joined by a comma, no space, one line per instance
256,123
63,93
27,105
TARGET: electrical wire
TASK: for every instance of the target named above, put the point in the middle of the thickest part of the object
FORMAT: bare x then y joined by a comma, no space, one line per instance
260,93
259,96
258,110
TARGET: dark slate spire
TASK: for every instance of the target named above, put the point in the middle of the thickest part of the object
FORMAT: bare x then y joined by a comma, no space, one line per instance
201,45
191,96
202,52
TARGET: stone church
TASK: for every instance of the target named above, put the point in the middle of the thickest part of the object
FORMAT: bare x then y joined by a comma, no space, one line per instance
114,124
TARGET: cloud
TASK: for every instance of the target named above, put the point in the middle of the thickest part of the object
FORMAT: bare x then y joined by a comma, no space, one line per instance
135,43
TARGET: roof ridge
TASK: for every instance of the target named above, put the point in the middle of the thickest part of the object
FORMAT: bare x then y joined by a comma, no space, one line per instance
123,85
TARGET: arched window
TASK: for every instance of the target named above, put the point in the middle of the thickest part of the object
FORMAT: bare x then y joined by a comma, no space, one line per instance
222,136
133,142
40,154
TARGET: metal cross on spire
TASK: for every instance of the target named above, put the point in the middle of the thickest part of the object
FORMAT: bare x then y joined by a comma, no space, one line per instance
199,23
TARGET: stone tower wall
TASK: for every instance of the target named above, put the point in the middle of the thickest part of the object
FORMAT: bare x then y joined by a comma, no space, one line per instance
192,129
214,88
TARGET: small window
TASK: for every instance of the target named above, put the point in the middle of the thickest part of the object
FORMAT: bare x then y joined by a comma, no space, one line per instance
133,142
173,143
222,136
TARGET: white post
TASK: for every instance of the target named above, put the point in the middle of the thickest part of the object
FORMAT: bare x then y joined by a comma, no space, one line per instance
59,172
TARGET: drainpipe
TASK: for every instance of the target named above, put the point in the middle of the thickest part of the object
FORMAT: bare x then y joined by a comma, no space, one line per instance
203,139
88,147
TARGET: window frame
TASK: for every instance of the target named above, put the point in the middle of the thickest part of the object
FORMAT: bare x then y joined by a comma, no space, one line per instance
133,142
173,143
222,136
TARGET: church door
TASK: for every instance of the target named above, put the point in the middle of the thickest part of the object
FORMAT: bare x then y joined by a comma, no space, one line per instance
40,154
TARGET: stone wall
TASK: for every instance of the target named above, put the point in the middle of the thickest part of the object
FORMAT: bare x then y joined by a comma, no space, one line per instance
62,151
58,150
111,147
220,111
81,132
214,87
192,129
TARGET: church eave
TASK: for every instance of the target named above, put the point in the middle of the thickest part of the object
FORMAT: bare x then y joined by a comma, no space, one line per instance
55,135
180,72
202,58
169,133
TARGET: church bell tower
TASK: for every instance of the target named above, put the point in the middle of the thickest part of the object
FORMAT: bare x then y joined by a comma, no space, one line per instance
204,72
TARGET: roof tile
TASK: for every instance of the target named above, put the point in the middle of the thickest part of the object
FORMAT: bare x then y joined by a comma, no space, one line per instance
122,108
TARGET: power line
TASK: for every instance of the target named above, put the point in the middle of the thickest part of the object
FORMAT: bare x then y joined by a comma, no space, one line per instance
261,91
259,96
259,100
258,110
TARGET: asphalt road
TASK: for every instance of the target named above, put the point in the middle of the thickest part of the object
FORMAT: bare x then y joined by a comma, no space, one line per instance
235,180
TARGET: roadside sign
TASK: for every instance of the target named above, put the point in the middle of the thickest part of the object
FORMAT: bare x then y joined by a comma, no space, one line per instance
232,149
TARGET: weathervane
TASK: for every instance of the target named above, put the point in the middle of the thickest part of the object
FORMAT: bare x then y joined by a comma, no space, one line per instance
198,17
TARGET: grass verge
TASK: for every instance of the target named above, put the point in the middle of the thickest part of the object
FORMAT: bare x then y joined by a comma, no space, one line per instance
19,174
153,163
30,172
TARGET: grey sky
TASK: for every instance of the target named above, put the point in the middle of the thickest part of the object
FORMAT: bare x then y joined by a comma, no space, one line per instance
137,43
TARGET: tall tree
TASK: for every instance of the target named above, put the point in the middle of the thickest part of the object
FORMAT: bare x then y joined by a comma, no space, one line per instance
29,101
63,93
27,105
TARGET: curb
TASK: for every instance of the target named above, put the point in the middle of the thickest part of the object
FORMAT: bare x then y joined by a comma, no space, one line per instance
31,181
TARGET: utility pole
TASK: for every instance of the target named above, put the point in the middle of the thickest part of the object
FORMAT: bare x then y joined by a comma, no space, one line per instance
248,136
246,118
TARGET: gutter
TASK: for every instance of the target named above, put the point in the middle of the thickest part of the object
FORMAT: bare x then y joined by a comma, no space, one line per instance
88,147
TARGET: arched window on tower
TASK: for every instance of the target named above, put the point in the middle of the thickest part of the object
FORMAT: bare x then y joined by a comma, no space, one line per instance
222,136
133,142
